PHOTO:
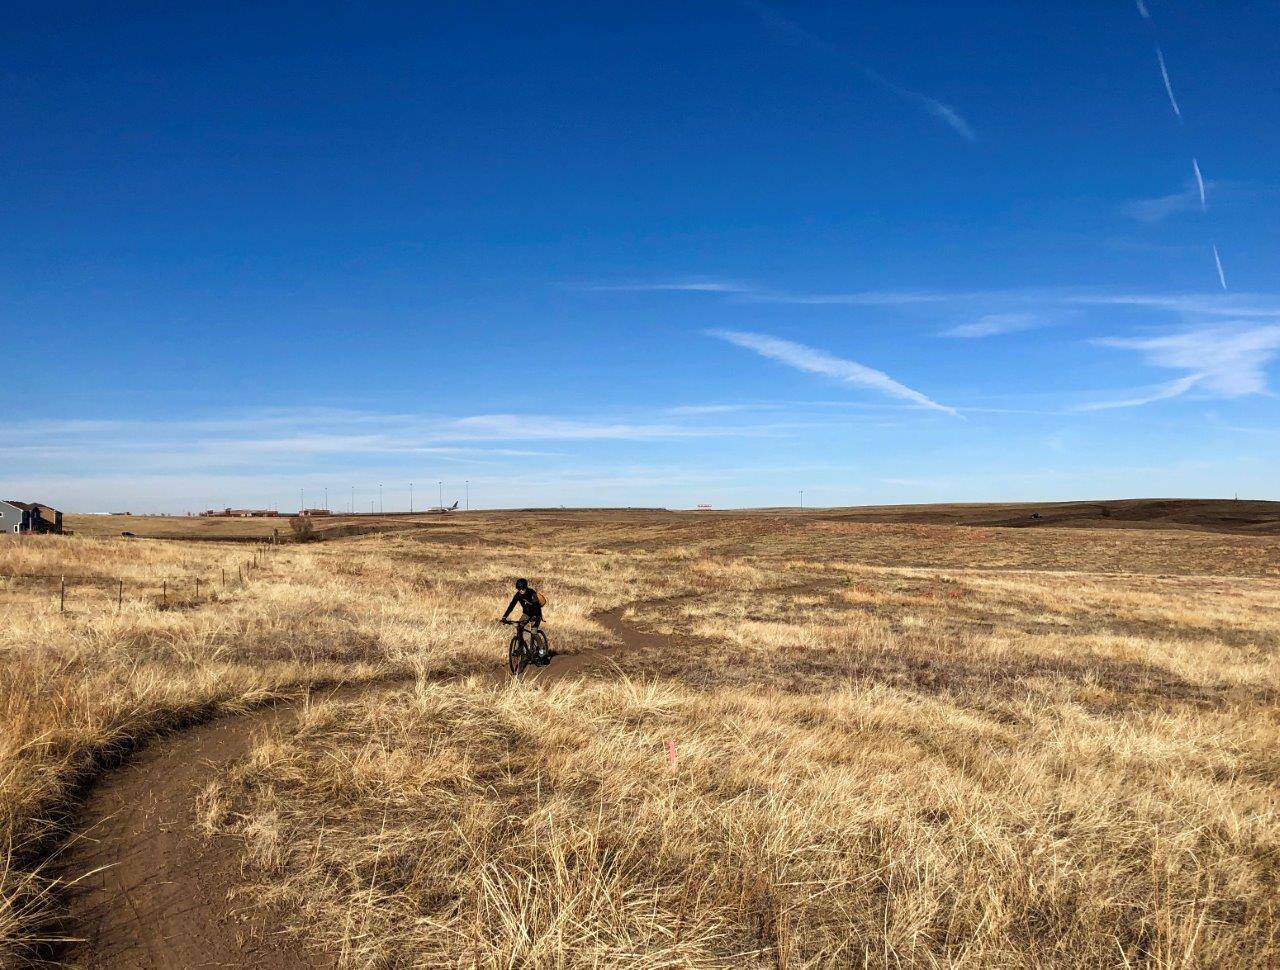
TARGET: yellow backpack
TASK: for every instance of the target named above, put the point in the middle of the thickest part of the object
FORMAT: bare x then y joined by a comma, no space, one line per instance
542,600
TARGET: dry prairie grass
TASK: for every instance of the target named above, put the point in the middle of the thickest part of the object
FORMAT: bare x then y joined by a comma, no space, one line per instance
78,690
879,764
897,745
532,828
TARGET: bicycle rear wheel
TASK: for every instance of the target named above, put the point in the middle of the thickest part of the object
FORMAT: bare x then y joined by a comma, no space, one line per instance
517,659
538,645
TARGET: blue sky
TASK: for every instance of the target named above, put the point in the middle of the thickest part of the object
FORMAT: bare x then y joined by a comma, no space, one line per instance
654,254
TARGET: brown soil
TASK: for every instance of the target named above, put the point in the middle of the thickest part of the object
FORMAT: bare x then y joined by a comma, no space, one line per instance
148,889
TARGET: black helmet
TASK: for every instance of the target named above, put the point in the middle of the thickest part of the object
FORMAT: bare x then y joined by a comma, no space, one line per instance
522,584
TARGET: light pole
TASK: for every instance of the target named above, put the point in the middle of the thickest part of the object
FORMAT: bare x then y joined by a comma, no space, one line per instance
353,500
326,497
802,498
441,487
411,498
302,500
467,484
380,505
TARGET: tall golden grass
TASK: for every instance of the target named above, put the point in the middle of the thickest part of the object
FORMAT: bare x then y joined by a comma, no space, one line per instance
895,745
79,689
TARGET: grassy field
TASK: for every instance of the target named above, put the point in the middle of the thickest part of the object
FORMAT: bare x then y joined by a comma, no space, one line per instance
216,528
1203,515
848,742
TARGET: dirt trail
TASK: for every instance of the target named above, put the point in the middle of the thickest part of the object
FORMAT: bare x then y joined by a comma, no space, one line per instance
156,896
156,893
570,665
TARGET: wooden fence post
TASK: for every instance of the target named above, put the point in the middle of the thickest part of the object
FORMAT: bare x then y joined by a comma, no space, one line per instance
164,591
197,589
119,595
62,596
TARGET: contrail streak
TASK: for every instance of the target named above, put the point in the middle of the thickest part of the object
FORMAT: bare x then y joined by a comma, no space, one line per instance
1195,165
803,37
1222,277
1164,73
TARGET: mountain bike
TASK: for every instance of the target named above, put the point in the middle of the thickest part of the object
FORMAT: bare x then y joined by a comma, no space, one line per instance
522,652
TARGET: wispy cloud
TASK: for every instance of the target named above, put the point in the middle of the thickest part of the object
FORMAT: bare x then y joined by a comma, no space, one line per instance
788,29
815,361
1150,396
862,298
993,324
515,427
672,286
1142,9
721,408
1238,306
948,115
1189,304
1161,207
1228,361
794,33
275,440
760,294
1192,198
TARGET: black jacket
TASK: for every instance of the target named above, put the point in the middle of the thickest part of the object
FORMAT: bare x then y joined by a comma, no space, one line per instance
528,600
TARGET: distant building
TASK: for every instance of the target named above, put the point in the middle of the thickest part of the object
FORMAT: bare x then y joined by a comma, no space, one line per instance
315,512
29,517
240,514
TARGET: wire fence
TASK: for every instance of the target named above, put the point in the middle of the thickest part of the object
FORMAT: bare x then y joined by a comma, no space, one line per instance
188,589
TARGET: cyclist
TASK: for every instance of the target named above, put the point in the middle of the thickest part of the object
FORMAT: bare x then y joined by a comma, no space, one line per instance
531,602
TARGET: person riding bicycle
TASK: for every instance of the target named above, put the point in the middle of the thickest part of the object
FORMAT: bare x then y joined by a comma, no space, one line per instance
531,603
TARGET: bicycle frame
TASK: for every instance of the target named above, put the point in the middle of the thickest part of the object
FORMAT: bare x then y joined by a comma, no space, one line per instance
527,649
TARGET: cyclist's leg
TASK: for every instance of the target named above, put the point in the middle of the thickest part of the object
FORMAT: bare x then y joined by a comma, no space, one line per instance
535,623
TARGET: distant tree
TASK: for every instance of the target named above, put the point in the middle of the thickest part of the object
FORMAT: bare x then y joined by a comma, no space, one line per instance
304,530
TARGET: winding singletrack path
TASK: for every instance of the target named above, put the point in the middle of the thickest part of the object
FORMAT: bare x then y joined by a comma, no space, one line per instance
149,891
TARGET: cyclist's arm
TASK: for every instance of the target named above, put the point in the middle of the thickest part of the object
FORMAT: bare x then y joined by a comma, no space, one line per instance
511,606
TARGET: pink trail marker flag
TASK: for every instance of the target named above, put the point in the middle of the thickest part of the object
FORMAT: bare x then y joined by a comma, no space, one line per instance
671,753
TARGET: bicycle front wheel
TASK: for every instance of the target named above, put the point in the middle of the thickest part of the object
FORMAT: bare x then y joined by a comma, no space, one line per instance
517,659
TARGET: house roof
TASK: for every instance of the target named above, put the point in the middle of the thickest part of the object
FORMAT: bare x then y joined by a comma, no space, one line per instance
29,506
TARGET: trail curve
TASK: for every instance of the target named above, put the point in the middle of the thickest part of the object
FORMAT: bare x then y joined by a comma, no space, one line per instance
148,890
